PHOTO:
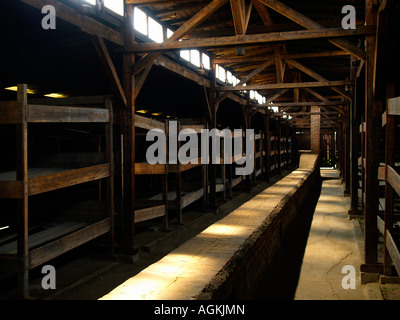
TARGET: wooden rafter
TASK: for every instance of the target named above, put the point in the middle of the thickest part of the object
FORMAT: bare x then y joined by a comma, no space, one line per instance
247,78
174,44
312,25
316,76
241,15
322,98
267,20
108,64
314,84
304,103
283,56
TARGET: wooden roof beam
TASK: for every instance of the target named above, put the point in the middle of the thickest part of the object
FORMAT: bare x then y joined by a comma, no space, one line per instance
316,76
312,25
314,84
283,56
238,14
174,44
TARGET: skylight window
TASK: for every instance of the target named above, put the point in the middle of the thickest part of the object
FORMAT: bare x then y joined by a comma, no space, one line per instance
185,54
229,77
115,5
206,61
221,73
169,33
155,30
140,21
195,57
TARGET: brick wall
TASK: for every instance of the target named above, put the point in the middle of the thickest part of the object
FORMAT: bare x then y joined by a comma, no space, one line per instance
240,276
315,131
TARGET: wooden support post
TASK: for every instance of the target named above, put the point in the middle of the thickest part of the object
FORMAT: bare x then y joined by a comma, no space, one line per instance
346,191
372,123
165,181
110,180
212,168
22,206
279,135
128,131
354,132
267,146
179,183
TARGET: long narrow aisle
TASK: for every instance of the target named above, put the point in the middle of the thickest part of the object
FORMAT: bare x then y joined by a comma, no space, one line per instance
331,249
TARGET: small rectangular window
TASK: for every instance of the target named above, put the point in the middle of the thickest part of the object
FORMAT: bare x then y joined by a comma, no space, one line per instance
169,33
205,59
221,73
229,77
140,21
115,5
185,54
195,57
155,30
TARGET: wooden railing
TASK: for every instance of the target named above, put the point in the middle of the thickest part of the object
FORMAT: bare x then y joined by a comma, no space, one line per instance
392,184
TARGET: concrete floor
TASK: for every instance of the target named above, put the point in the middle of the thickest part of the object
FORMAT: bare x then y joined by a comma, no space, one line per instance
333,243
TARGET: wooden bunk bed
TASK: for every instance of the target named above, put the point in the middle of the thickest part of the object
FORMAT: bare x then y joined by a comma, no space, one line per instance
152,207
186,193
274,152
25,246
258,155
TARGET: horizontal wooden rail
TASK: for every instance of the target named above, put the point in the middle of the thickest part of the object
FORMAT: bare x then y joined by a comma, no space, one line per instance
393,251
393,178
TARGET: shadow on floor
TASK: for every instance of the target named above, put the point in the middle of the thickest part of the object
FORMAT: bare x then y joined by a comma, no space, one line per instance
282,275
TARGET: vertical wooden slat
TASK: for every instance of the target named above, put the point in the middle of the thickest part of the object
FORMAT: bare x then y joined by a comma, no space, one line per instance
212,167
372,115
22,175
128,129
110,180
279,147
267,146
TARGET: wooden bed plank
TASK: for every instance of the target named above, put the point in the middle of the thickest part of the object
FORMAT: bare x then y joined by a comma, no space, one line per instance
149,213
143,168
147,123
68,242
44,236
43,113
49,182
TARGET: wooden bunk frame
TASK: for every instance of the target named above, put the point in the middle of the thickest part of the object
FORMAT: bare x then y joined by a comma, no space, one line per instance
31,250
152,208
390,224
180,199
